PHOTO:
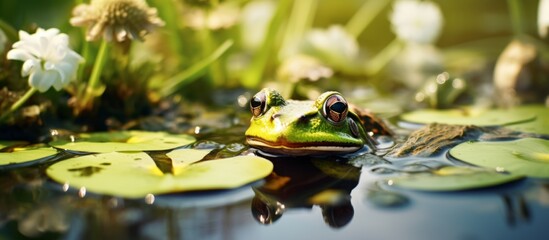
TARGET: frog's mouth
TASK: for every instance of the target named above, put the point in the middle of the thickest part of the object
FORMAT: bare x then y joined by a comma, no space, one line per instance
301,149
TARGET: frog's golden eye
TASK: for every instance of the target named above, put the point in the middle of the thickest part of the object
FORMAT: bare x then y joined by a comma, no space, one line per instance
335,108
258,103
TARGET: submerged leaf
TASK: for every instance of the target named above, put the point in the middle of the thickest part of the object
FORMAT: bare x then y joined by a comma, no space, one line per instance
453,179
135,175
526,156
105,142
470,116
27,154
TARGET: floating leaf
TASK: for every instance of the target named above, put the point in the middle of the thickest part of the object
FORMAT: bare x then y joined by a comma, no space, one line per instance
5,144
470,116
135,175
24,155
453,179
105,142
526,156
182,158
540,125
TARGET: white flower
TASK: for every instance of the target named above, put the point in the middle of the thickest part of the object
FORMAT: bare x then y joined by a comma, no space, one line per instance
334,46
543,18
120,20
48,60
416,21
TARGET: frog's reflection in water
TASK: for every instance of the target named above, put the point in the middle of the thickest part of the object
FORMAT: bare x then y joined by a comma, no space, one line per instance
304,183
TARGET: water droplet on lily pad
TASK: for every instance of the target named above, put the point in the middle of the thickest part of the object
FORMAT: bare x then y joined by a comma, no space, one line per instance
126,177
527,156
470,116
124,141
452,178
25,155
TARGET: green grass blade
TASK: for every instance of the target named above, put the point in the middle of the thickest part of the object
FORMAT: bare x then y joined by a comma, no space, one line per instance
193,72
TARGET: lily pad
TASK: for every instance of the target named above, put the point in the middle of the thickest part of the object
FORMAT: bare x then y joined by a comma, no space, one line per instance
135,175
540,125
26,154
125,141
528,156
453,179
470,116
5,144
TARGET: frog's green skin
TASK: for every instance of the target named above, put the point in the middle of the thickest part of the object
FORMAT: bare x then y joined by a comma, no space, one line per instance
290,127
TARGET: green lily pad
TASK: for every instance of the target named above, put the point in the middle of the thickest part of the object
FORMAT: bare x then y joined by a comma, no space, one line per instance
26,154
125,141
470,116
453,179
527,156
135,175
540,125
5,144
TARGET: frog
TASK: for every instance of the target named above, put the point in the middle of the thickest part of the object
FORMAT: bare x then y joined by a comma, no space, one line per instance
328,125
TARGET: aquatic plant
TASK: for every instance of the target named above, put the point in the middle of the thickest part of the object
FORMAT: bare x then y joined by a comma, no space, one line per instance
416,21
118,20
48,62
543,18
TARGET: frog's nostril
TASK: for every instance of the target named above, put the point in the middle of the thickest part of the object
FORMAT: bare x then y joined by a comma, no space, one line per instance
276,115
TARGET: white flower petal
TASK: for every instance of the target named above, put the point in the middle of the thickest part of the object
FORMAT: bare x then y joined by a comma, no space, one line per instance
35,80
51,32
50,48
58,82
72,56
48,65
48,79
23,35
66,72
29,66
19,54
30,45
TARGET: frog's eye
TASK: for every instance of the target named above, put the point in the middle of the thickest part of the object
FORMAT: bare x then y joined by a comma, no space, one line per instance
335,108
257,104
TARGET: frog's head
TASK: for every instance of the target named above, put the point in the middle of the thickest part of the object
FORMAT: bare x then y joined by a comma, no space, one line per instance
288,127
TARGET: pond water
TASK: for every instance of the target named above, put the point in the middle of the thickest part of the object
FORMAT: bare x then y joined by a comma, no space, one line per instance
313,198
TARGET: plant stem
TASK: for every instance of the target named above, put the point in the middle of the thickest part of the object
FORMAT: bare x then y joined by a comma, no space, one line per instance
515,10
208,43
300,20
168,12
86,55
252,77
10,32
193,72
92,89
383,57
18,104
364,16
